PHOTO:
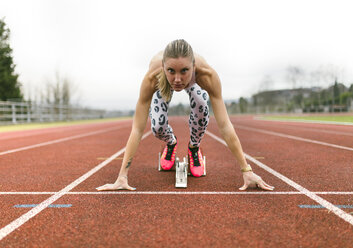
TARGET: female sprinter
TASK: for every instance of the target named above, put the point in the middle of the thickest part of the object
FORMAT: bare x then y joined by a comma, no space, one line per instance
177,69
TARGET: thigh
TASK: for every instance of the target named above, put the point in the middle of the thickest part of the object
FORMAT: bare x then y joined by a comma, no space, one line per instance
158,111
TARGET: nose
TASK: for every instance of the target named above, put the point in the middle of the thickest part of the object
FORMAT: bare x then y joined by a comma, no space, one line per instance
177,78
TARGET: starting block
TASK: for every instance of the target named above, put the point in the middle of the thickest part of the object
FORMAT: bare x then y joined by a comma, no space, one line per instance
181,171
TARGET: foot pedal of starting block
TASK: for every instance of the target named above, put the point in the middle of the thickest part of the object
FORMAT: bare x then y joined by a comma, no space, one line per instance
181,175
204,162
159,162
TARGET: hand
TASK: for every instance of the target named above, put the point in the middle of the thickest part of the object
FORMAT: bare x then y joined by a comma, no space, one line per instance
121,183
253,180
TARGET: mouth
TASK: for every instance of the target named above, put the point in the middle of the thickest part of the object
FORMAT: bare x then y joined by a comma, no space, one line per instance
179,86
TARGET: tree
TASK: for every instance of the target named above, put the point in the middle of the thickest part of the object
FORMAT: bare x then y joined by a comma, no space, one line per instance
9,85
243,105
266,83
294,75
345,98
59,91
336,92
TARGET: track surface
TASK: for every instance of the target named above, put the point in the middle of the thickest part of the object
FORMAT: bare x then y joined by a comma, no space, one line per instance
211,212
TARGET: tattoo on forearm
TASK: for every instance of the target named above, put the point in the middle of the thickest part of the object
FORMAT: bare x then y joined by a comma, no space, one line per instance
129,163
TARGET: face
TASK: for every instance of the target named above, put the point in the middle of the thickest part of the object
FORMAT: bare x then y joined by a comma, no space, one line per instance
179,72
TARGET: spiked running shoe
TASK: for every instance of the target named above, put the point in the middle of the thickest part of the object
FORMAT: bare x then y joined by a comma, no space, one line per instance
168,156
196,162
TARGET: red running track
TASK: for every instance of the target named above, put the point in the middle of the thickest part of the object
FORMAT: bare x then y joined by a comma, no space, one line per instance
156,215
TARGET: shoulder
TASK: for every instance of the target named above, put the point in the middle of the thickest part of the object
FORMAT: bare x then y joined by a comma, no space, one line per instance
155,66
156,61
202,66
206,76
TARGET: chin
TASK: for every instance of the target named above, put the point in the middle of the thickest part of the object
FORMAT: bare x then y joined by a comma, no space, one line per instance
178,88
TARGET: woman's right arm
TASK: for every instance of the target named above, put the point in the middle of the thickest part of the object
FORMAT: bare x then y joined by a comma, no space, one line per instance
148,87
139,122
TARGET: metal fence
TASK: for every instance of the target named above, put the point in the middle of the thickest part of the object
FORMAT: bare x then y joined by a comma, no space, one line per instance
25,112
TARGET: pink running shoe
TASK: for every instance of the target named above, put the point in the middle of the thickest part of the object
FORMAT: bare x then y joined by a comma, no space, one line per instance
168,156
196,163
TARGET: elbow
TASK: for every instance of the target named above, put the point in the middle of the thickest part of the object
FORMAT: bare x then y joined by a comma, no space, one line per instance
138,131
227,131
225,127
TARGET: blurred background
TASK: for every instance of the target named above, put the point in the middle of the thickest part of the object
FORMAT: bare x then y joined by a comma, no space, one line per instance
79,59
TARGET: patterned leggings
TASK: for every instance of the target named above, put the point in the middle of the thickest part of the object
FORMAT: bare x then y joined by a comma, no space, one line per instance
198,119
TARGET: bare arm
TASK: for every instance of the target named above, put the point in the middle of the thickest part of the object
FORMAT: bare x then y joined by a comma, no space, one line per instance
139,124
209,80
224,124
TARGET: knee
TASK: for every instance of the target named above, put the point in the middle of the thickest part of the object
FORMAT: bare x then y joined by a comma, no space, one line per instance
157,129
200,113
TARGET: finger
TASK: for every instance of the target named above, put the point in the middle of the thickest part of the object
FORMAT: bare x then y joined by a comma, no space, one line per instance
267,188
268,185
244,187
130,188
263,186
104,187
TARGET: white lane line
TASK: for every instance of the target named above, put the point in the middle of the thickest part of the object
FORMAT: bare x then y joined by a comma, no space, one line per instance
59,140
323,131
33,212
340,213
54,129
182,193
306,121
294,137
314,129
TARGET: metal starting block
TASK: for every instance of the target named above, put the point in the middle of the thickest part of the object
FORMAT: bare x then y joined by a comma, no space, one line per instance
181,175
181,171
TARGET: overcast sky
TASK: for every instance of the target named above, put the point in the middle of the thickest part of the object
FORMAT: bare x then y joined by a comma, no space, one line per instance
104,47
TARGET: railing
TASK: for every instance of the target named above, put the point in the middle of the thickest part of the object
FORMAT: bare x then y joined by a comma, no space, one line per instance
21,112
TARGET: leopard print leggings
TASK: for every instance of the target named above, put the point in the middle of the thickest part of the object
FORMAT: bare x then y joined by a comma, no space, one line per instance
198,120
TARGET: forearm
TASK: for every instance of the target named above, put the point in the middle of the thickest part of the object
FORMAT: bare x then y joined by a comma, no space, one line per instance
230,137
138,127
131,148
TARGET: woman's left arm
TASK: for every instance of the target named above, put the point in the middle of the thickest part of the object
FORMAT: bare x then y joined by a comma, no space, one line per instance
228,133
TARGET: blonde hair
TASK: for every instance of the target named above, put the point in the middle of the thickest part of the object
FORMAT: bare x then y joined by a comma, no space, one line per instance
175,49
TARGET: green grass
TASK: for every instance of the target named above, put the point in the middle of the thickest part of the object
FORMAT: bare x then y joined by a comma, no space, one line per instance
29,126
329,118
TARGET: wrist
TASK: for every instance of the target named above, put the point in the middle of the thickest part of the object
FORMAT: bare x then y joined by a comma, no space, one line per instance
121,177
247,168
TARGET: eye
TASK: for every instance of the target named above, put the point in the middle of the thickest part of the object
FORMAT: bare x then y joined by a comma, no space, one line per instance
170,70
184,70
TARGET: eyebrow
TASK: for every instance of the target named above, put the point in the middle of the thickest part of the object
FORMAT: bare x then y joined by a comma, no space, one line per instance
171,68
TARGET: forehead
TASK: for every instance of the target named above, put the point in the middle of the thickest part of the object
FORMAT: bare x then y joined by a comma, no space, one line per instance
178,62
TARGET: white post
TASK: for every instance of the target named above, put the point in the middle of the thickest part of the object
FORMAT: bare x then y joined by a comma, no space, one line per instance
13,107
29,108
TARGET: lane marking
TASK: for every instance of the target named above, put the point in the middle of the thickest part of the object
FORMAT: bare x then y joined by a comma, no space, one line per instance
319,206
320,130
49,206
51,128
294,137
306,121
340,213
59,140
121,192
43,205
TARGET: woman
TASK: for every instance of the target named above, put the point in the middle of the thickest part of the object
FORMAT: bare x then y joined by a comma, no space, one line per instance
177,69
